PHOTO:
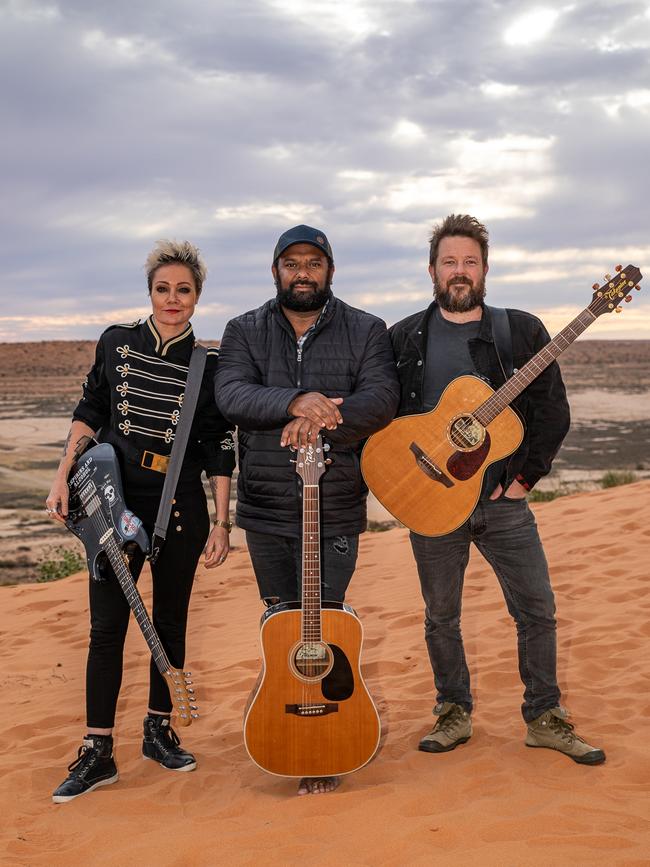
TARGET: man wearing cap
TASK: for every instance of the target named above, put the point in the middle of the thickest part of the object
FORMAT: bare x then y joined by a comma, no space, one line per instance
304,362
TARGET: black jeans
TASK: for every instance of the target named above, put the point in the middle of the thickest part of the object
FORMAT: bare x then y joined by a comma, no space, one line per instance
505,533
277,563
173,576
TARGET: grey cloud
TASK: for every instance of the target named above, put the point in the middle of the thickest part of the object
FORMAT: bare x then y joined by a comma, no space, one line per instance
241,106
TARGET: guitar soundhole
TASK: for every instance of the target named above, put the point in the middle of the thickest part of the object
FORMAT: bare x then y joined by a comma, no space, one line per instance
466,433
312,660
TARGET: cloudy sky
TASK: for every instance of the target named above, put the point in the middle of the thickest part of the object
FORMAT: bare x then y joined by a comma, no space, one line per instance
228,121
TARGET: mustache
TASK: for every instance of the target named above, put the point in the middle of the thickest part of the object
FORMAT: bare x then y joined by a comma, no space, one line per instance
456,280
310,283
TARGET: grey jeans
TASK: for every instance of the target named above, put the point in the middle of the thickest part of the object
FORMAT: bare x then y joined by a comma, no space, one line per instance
505,533
277,563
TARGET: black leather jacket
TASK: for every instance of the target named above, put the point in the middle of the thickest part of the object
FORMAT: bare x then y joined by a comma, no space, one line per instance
260,372
543,405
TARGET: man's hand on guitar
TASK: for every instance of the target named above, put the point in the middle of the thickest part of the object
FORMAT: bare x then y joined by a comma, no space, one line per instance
217,547
299,432
515,492
57,500
320,410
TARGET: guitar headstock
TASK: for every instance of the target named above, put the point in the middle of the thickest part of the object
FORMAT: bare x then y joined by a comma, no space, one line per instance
608,297
180,688
310,461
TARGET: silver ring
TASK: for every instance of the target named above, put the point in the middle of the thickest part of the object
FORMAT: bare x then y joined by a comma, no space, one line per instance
50,511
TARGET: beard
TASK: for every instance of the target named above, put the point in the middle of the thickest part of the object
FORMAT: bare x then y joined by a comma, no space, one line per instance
303,301
454,301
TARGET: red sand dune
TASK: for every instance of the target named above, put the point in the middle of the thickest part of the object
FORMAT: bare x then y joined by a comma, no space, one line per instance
490,802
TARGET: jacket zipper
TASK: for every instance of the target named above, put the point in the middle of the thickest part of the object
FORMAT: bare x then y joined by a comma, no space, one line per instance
299,366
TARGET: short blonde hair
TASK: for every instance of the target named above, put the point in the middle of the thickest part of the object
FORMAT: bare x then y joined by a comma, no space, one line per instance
168,252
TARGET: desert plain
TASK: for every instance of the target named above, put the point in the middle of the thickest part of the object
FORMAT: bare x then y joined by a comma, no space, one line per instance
490,802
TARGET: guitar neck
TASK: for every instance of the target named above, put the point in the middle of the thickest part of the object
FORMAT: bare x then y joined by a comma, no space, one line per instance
134,599
511,389
311,578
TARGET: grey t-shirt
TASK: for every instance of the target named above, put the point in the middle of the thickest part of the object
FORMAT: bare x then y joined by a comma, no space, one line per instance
447,355
447,358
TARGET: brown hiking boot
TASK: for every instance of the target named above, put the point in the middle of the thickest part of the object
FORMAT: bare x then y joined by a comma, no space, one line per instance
454,727
551,730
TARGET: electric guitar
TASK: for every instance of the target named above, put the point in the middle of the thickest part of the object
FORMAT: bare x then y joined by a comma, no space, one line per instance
310,714
428,469
98,516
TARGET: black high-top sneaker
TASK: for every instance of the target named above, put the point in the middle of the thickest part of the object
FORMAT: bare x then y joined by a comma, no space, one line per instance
93,767
162,744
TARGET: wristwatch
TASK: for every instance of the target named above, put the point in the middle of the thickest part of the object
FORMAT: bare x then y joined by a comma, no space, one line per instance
227,525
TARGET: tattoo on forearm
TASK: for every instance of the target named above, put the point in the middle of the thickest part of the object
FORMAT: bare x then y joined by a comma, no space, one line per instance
82,445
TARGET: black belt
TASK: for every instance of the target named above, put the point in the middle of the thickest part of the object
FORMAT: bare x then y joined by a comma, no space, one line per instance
144,458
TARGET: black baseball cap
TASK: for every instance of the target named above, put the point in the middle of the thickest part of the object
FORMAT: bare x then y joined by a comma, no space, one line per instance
303,235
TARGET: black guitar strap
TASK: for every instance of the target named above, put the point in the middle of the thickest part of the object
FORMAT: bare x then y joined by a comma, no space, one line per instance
502,338
192,388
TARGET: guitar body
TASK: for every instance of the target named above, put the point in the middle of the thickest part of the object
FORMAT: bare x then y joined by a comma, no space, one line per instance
426,480
307,719
99,465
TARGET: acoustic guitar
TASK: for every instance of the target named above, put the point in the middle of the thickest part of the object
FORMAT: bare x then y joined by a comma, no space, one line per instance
310,714
428,469
99,517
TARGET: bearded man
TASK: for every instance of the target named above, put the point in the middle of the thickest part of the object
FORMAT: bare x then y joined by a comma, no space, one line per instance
302,363
455,335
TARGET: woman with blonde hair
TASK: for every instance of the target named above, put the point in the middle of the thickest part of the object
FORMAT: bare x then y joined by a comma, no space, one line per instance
133,398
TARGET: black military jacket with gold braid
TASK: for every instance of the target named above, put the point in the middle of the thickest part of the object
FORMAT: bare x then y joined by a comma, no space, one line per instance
134,393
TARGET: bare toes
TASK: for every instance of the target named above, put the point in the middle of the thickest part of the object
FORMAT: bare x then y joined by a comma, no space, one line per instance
318,785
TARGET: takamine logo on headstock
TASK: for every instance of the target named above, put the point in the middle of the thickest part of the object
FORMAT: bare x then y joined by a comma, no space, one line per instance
607,297
311,461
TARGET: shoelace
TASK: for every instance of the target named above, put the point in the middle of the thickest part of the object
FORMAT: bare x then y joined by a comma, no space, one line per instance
160,740
86,759
564,729
450,720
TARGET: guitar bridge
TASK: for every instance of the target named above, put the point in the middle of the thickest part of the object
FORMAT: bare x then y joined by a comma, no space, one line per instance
429,468
311,709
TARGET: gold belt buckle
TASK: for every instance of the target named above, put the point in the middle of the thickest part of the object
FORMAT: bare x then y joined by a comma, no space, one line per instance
152,461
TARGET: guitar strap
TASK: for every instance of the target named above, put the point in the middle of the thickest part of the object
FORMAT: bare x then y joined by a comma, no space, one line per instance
192,388
502,339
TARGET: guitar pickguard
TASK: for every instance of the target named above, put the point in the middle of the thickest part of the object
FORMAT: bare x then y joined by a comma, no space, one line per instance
464,465
339,683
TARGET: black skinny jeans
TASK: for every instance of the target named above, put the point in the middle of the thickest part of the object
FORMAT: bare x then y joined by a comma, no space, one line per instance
173,576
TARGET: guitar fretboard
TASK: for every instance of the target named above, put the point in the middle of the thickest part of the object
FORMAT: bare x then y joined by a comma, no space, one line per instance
311,577
128,585
501,398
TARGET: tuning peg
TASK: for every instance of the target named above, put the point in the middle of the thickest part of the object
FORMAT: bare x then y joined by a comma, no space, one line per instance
628,298
618,268
194,716
595,286
326,447
618,310
638,288
328,461
608,277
